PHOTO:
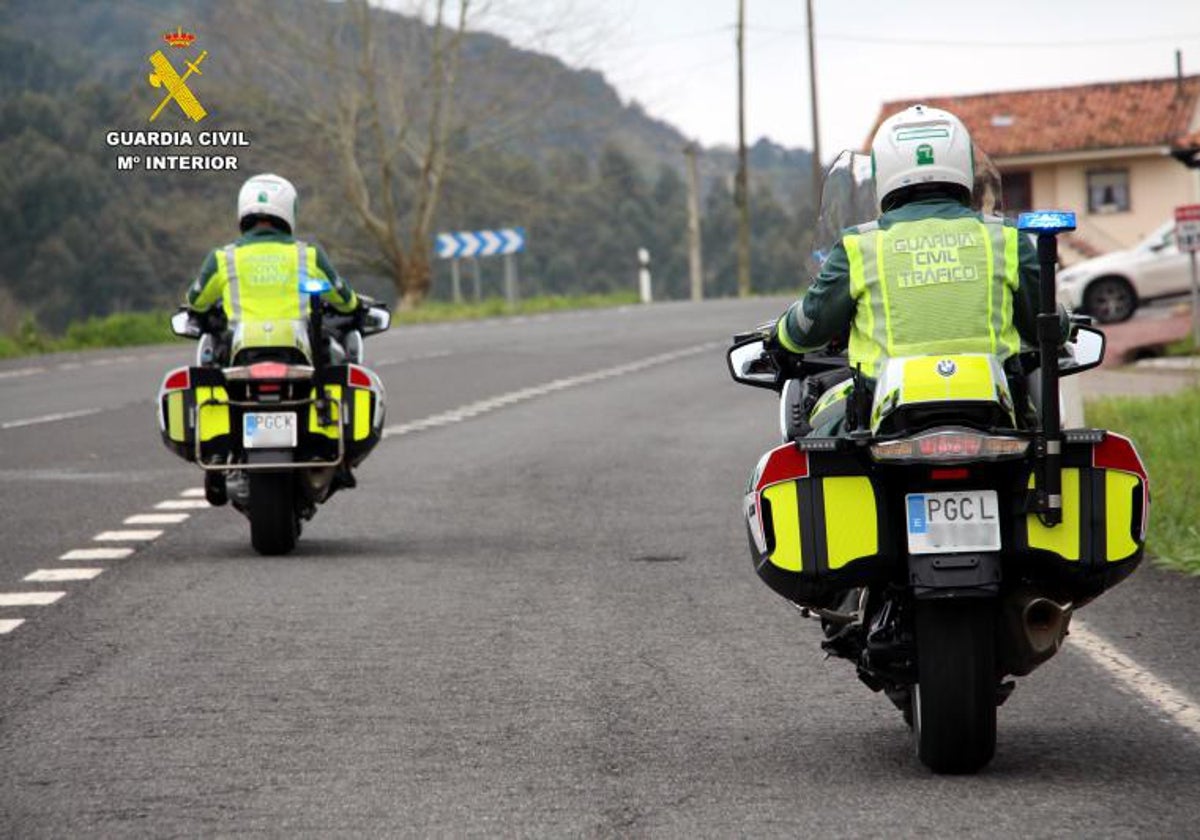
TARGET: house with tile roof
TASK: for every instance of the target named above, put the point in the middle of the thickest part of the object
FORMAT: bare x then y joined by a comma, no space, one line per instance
1111,151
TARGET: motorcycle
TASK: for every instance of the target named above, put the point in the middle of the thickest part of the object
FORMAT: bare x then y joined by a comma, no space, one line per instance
278,417
945,539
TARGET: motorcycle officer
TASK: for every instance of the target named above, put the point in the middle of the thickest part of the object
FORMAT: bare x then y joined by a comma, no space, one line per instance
255,278
929,275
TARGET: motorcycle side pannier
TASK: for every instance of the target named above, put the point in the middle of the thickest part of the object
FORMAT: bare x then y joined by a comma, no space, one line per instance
816,525
1103,533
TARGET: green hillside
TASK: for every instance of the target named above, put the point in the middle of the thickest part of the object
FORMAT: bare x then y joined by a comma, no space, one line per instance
530,142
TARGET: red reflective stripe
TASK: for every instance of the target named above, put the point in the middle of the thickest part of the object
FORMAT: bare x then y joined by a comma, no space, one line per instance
949,474
1117,452
785,462
179,379
359,378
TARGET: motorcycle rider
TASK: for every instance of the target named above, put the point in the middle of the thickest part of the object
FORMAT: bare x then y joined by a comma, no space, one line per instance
255,278
929,275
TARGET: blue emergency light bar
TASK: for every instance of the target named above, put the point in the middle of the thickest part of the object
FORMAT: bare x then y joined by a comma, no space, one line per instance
1047,221
315,286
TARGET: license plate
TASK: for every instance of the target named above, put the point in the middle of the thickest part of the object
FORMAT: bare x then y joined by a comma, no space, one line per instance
948,523
268,429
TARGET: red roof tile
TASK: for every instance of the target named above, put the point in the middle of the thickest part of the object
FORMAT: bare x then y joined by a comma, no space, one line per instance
1154,112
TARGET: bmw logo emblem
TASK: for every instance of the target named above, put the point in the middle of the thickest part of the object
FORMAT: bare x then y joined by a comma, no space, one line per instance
947,368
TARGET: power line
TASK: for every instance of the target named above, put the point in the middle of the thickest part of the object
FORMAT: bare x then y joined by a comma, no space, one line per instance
960,42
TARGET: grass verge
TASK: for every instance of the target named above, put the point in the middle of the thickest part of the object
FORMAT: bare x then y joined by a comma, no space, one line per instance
1166,430
129,329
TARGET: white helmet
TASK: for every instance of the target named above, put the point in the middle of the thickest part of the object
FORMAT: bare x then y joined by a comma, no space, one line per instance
267,195
921,146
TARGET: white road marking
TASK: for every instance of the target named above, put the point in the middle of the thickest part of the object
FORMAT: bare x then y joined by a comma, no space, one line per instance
96,554
7,625
50,418
29,599
193,493
55,575
13,374
1172,703
182,504
131,536
456,415
156,519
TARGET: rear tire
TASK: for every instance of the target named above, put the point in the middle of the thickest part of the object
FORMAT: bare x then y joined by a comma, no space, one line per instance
1110,300
954,701
274,525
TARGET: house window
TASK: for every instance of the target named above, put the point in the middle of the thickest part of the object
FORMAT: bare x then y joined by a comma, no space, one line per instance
1018,192
1108,191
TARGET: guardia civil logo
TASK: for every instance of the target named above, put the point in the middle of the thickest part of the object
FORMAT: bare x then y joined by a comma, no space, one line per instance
924,155
166,76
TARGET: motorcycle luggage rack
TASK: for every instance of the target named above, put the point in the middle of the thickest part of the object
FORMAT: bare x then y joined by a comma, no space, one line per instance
302,465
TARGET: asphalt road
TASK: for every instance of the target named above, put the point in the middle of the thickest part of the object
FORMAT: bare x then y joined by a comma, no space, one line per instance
535,617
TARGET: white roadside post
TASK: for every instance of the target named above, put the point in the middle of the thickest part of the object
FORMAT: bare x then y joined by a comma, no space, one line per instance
1187,236
644,276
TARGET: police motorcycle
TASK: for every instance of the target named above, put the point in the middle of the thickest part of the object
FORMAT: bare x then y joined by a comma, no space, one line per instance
276,413
945,541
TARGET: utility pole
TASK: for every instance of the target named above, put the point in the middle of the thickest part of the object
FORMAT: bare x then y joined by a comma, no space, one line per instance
812,91
741,193
695,267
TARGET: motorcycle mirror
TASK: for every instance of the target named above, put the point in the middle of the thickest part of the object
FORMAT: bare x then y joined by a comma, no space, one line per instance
184,326
1084,351
750,365
377,319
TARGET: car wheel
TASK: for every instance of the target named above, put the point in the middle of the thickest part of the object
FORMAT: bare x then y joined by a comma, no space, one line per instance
1110,299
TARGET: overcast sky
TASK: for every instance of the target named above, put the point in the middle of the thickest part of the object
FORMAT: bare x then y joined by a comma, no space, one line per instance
678,57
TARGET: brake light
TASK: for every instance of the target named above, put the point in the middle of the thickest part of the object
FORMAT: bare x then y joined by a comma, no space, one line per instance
179,379
358,377
268,370
949,446
950,474
1117,452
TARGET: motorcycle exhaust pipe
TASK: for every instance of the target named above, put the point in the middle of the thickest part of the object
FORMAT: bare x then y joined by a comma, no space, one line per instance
1036,628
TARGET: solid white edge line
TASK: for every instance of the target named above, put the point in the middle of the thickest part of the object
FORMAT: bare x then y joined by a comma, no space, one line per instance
1172,703
56,575
456,415
7,625
29,599
50,418
96,554
122,536
156,518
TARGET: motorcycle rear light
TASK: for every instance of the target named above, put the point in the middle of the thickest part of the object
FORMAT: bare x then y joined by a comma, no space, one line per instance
1117,452
179,379
268,370
950,474
269,388
358,377
949,446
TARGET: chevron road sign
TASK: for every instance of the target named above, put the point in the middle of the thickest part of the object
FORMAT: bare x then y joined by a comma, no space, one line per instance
480,243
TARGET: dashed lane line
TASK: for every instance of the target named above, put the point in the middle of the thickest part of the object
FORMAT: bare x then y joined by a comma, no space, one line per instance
128,536
1173,704
96,554
56,575
182,504
7,625
156,518
193,493
29,599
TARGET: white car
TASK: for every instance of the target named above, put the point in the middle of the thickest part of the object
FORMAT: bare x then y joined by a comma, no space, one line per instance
1110,287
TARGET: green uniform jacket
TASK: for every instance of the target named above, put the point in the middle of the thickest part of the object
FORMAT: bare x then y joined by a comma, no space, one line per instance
256,278
835,302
